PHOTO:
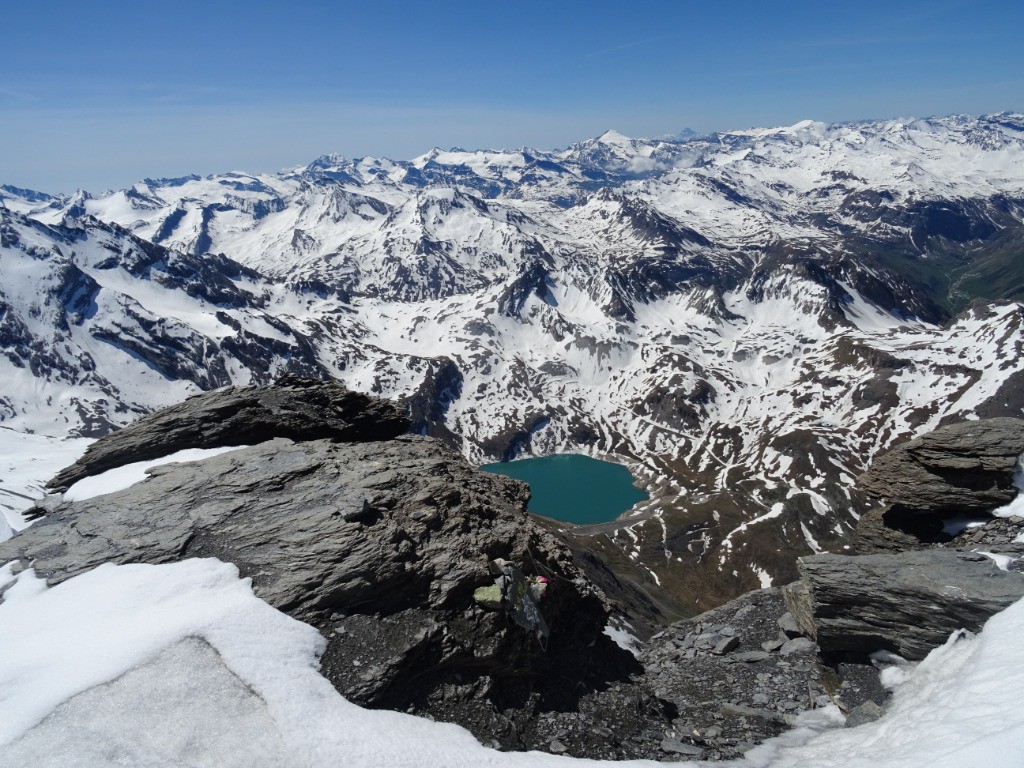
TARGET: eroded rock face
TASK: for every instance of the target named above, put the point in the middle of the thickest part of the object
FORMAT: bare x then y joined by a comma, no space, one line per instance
908,603
381,545
965,467
295,408
939,484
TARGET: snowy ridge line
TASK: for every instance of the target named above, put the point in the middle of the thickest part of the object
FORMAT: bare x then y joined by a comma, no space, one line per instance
471,217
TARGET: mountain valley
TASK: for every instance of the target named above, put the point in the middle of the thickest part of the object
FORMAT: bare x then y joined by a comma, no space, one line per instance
745,319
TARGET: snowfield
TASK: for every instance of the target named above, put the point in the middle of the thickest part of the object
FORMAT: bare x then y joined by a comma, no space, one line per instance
211,675
26,463
118,479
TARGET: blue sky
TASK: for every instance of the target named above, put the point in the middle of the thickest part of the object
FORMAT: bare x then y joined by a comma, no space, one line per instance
100,94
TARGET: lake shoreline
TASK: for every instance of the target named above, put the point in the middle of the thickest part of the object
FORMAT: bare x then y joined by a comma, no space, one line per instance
575,489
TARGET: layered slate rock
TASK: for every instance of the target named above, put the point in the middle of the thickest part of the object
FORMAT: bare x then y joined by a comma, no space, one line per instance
324,529
295,408
907,603
381,545
964,467
935,484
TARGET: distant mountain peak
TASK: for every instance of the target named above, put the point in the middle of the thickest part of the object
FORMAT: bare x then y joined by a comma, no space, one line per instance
807,125
614,138
329,160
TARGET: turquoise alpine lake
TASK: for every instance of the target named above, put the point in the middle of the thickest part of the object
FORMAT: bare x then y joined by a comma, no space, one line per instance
572,488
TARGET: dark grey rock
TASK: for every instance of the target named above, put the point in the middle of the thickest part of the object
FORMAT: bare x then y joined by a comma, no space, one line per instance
317,524
888,530
331,533
964,467
298,409
798,645
896,529
725,645
798,600
740,710
907,602
676,747
705,641
789,626
996,533
860,683
751,657
867,712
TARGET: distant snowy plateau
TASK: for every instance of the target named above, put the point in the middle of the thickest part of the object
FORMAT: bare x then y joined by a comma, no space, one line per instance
744,318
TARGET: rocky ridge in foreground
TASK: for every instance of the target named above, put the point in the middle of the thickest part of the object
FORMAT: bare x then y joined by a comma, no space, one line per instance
382,544
421,573
938,552
296,408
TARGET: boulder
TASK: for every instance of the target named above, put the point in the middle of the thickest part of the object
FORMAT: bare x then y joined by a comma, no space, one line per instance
295,408
867,712
959,468
885,529
907,603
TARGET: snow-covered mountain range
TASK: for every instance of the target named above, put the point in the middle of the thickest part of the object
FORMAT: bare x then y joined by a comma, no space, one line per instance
745,318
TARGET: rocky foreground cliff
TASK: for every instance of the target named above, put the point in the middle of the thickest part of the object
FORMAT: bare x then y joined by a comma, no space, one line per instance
439,595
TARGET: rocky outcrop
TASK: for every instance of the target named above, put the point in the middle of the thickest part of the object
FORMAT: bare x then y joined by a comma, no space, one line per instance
298,409
908,603
439,595
912,585
382,546
742,672
935,485
964,467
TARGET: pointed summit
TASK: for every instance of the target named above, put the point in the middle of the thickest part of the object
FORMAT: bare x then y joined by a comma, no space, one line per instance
330,160
615,139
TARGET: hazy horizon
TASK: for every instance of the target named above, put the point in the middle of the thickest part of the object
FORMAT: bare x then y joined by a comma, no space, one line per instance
101,97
